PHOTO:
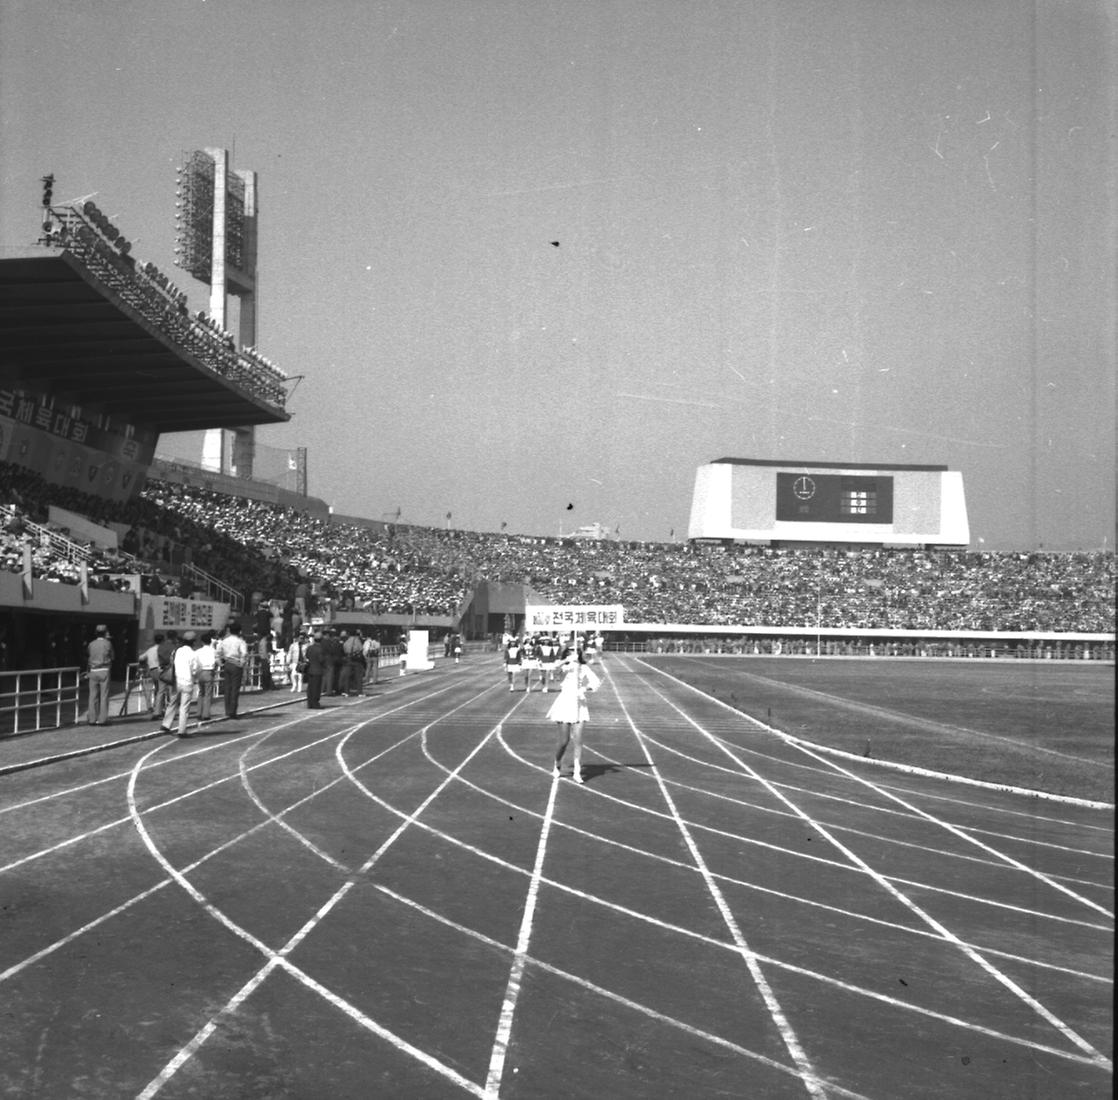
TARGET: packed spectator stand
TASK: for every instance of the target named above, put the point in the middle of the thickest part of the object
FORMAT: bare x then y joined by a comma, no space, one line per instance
96,242
263,548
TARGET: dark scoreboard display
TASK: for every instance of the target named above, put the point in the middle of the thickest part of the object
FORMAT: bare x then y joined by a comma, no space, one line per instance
833,498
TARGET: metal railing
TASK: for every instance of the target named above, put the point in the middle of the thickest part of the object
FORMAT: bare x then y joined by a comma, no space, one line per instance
49,698
60,544
39,699
214,588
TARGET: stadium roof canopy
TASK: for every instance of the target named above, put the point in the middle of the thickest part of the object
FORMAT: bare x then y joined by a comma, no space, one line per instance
788,464
68,333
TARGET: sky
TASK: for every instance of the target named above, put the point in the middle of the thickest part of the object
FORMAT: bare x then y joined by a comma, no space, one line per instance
871,231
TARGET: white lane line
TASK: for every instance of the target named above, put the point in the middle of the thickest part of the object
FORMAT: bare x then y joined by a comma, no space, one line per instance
909,769
256,735
827,796
610,995
998,856
279,958
276,818
224,743
962,834
520,955
858,805
811,1080
1041,1010
726,945
839,702
811,902
834,864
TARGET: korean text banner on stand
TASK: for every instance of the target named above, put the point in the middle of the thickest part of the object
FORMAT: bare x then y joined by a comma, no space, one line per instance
540,617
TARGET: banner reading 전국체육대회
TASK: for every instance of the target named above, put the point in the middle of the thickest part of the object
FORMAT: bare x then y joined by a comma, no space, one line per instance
539,617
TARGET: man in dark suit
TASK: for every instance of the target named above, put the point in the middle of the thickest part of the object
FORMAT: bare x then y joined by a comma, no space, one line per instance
334,657
315,656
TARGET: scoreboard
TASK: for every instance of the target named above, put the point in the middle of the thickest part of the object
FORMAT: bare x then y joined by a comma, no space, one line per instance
776,502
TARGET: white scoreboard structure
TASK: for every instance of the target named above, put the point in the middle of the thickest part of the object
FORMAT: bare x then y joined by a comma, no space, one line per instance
828,503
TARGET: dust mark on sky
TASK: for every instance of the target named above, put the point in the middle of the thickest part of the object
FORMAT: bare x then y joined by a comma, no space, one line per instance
559,186
665,400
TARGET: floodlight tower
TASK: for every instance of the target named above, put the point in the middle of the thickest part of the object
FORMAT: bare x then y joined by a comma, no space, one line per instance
216,237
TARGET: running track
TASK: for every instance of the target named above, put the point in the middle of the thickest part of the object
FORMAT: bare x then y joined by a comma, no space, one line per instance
392,897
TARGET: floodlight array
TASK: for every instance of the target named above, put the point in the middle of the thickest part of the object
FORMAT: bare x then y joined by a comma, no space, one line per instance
194,215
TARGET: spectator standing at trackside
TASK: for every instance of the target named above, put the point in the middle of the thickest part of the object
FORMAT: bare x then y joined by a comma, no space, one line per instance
371,651
334,656
150,661
296,657
569,710
100,660
206,670
186,677
264,654
354,671
315,656
232,655
167,649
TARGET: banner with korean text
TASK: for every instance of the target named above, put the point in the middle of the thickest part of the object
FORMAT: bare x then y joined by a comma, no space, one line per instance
548,617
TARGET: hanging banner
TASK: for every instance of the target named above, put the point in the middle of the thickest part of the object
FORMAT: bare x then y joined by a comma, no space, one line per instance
170,612
539,617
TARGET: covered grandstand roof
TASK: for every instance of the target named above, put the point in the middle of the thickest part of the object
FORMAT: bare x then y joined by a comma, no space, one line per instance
64,330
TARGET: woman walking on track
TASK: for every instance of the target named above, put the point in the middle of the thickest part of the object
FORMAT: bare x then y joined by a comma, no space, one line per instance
569,709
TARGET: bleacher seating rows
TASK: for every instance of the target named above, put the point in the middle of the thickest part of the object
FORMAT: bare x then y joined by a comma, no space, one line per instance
260,547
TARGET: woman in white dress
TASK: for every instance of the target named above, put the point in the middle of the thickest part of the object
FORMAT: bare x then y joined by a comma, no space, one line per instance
569,709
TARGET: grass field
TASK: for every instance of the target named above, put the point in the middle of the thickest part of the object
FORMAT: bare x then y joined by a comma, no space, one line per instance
1045,727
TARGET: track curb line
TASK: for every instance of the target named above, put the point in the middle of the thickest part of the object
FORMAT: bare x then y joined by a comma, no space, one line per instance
89,750
910,769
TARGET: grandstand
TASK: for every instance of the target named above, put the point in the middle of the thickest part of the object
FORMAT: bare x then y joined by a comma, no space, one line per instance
101,356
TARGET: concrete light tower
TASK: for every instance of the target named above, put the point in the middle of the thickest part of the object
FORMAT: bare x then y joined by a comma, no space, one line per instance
216,241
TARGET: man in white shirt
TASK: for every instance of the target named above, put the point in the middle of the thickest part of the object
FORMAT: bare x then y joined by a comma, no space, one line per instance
185,666
232,652
205,657
149,662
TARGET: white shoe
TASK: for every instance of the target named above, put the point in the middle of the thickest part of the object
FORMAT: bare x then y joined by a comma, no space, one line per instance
555,772
576,775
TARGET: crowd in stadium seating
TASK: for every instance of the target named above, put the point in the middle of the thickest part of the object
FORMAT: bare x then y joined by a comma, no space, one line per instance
148,291
258,547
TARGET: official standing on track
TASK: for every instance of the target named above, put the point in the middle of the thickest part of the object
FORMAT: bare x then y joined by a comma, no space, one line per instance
570,710
315,657
233,655
100,655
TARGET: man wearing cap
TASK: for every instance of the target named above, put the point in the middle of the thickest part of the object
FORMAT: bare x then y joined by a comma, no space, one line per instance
185,665
100,654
